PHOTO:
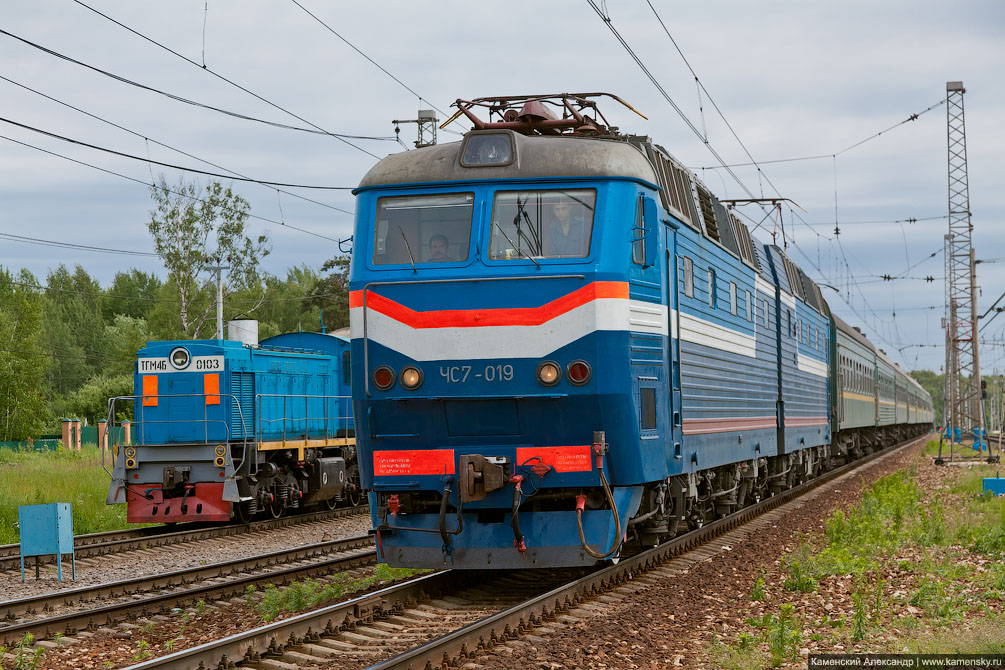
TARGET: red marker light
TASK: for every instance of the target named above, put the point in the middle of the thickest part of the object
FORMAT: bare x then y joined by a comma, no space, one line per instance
579,372
383,378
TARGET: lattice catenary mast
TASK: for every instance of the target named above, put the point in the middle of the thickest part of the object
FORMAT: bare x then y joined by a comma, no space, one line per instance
963,409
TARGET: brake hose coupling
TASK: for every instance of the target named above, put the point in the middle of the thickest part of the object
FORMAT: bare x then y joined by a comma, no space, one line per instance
580,503
599,447
517,480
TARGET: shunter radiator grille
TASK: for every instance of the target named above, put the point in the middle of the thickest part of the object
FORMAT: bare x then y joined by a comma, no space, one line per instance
242,385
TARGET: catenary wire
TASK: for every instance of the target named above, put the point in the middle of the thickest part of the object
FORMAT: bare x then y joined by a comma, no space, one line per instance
912,117
169,165
666,96
151,185
166,146
222,78
69,245
372,61
187,101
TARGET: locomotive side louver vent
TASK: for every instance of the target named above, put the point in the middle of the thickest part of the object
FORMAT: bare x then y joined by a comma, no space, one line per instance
726,235
744,242
675,195
242,385
792,274
811,295
708,213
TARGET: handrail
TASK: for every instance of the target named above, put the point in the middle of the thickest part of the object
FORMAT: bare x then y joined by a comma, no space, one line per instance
205,421
344,420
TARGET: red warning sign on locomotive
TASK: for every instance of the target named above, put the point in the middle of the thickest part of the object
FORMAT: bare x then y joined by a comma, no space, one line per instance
413,462
563,459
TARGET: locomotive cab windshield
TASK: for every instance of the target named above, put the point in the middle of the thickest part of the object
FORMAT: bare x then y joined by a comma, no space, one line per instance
423,229
542,224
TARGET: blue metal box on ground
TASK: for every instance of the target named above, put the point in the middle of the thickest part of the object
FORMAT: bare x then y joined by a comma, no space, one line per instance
995,485
47,529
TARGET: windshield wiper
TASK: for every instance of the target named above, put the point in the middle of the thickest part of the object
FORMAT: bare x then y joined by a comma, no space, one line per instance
518,249
521,212
408,249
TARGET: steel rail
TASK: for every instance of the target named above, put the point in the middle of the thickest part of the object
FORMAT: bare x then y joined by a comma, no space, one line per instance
9,609
110,542
70,622
272,639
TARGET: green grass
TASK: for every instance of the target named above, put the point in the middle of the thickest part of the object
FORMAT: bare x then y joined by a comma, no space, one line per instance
744,654
300,596
978,637
32,478
856,542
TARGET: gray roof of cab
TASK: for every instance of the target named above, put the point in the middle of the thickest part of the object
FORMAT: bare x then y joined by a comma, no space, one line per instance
536,156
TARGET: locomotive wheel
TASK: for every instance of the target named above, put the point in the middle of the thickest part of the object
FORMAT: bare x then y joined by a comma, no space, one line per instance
331,503
275,509
242,512
354,491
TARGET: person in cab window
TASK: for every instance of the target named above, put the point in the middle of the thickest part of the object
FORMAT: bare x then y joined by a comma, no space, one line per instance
439,245
567,234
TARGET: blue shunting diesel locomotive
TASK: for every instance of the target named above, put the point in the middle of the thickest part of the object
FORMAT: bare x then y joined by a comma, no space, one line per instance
229,429
563,343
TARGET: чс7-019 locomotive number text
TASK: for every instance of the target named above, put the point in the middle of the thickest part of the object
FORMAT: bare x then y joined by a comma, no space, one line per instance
459,374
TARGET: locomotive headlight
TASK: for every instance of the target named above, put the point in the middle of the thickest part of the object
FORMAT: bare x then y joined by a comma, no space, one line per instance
578,372
383,378
411,377
548,373
179,358
220,450
130,452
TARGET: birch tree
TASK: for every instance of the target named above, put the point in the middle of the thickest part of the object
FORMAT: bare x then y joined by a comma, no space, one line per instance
194,228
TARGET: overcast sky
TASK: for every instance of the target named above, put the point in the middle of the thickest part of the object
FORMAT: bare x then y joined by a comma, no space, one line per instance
793,79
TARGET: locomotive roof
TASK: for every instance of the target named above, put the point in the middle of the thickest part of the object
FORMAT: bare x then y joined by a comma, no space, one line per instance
535,157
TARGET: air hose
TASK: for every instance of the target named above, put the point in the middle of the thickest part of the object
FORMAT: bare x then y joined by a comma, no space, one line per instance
581,504
518,541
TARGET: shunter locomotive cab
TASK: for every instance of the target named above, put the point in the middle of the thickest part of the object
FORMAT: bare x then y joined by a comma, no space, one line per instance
489,303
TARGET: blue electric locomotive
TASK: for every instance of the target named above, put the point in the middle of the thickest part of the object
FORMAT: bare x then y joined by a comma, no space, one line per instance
229,429
562,341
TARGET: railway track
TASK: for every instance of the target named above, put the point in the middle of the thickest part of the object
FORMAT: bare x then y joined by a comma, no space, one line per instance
115,541
70,611
444,618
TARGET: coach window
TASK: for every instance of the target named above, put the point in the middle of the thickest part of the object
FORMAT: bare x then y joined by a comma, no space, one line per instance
688,277
764,310
542,224
750,307
423,229
732,298
711,288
